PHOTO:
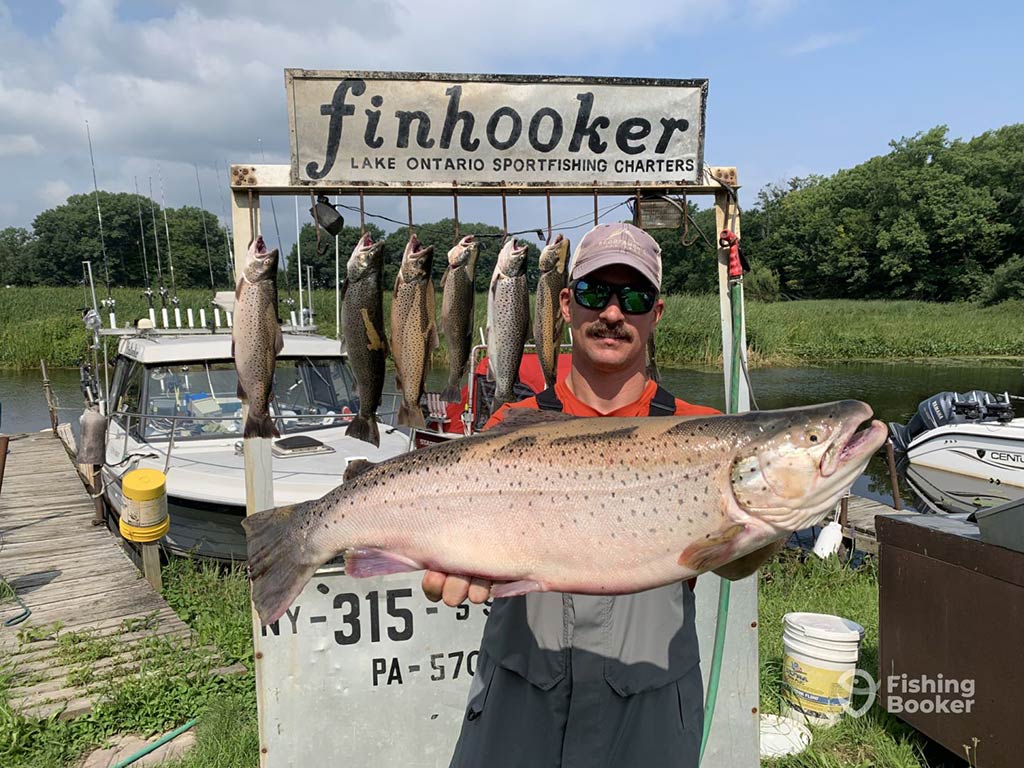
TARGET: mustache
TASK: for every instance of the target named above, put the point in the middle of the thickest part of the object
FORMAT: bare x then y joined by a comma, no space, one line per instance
601,330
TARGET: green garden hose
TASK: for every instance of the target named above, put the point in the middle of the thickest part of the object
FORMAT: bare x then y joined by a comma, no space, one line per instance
725,586
156,744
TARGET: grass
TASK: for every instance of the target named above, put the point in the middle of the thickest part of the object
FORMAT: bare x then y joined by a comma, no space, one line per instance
215,603
876,740
172,685
43,322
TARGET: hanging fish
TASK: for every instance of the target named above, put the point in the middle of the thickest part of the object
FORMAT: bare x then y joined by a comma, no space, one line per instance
256,338
547,315
458,295
413,328
362,309
508,321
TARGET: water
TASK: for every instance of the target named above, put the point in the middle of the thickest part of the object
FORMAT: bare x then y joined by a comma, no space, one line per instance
892,389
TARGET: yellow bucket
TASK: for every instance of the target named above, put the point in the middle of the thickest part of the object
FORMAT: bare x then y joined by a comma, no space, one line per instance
144,510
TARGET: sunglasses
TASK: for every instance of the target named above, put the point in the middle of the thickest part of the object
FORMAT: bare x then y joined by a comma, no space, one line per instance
595,294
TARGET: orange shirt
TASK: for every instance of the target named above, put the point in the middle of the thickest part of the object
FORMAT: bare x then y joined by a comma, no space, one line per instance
575,407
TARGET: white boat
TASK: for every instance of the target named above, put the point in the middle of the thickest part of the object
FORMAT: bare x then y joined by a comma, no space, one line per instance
974,434
944,492
173,406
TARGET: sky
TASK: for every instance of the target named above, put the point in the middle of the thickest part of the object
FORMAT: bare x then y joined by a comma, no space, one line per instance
795,86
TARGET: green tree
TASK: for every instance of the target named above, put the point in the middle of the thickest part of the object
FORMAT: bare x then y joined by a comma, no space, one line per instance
17,257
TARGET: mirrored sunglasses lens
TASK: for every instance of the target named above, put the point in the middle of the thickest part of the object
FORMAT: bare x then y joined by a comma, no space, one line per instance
636,301
591,295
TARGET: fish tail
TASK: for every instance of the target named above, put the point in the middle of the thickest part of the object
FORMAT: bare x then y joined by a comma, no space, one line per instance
276,572
364,428
411,417
260,426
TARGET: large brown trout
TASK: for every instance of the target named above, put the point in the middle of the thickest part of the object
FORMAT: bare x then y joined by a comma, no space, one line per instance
547,314
458,295
362,310
508,321
413,328
546,501
256,338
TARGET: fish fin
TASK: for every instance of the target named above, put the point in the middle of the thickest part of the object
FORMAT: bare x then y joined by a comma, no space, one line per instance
444,277
364,429
514,588
260,426
517,418
278,339
277,574
433,341
715,550
355,467
411,417
370,561
238,288
343,289
240,393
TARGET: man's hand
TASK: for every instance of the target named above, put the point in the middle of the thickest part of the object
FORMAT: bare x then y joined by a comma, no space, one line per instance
454,589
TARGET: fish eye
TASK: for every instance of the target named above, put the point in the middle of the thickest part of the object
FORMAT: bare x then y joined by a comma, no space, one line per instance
814,435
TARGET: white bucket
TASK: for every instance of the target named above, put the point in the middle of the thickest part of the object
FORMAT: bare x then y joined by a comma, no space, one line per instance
818,665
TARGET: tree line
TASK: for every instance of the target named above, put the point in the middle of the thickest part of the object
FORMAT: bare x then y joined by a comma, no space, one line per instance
935,218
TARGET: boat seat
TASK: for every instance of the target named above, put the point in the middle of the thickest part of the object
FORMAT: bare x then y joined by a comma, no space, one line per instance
437,409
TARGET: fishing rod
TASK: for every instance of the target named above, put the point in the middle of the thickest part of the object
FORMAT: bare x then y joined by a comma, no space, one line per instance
148,293
206,237
230,263
156,241
170,260
109,301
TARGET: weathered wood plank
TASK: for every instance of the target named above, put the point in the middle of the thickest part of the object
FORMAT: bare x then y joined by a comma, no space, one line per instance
68,571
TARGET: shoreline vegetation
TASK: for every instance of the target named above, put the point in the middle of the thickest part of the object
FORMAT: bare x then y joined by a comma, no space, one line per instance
45,322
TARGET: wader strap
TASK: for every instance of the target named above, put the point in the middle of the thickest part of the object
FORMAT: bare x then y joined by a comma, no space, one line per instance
548,400
663,403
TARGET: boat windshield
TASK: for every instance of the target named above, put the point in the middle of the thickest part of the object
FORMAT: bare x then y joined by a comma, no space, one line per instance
200,399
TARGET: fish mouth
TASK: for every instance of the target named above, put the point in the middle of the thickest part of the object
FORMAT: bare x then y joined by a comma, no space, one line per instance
854,445
366,240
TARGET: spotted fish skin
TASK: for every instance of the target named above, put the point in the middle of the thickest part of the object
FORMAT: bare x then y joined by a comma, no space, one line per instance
413,328
362,311
548,323
508,321
622,505
256,338
458,296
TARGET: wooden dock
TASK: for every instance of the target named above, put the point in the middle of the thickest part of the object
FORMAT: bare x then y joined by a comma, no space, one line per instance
860,522
72,576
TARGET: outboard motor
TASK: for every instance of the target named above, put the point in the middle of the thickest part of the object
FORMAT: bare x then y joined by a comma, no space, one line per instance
950,408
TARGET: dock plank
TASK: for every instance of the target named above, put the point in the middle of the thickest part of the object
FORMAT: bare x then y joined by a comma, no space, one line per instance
65,570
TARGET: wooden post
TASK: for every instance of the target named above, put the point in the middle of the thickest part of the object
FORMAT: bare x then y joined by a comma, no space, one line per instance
48,392
3,458
897,502
151,564
727,216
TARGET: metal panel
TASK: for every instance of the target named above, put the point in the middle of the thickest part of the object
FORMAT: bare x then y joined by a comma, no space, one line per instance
407,129
734,738
368,670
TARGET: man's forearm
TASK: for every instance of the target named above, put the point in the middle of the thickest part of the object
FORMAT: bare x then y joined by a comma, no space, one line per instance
749,563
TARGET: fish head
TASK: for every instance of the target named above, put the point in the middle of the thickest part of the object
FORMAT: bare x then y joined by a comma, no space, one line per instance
464,253
367,258
799,462
417,261
261,265
512,259
554,255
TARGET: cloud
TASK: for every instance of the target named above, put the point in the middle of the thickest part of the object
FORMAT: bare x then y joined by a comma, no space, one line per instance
769,10
200,82
54,192
822,41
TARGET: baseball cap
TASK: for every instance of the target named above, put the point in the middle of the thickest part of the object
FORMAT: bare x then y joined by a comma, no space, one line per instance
620,243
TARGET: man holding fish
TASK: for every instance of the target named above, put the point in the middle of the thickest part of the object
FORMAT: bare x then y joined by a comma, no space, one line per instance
584,680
